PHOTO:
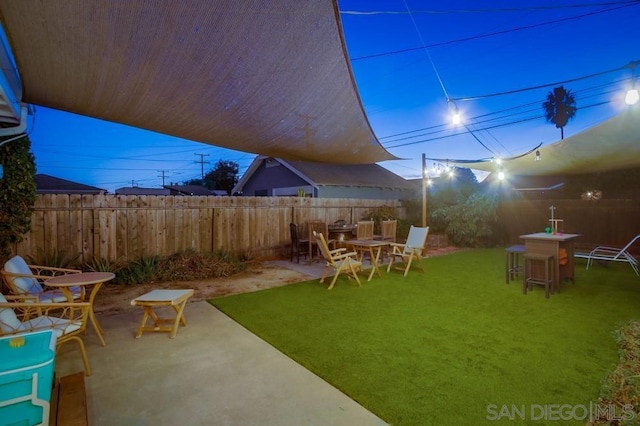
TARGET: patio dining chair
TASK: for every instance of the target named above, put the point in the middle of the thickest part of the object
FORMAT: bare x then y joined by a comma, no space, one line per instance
339,260
68,320
299,246
23,279
364,230
410,252
387,233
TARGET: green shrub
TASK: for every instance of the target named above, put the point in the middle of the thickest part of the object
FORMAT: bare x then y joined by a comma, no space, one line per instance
103,265
142,270
53,258
17,192
189,266
472,223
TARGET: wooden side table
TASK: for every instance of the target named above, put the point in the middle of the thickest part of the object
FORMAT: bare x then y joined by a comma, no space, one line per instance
177,299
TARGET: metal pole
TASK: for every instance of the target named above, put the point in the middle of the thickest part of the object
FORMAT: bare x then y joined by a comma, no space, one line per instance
424,190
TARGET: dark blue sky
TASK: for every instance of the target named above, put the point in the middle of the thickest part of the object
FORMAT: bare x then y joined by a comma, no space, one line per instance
475,49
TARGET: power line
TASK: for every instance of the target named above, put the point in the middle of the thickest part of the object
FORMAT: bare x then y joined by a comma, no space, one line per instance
540,86
435,70
537,117
485,35
490,10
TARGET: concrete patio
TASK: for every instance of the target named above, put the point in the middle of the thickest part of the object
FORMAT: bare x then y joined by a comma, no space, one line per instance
213,372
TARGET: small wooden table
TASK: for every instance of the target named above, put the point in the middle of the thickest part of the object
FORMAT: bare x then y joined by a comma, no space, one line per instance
177,299
94,279
373,247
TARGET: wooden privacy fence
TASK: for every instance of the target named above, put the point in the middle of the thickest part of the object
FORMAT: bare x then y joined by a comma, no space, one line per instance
603,222
127,227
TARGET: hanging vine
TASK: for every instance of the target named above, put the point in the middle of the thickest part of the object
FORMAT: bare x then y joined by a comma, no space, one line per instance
17,192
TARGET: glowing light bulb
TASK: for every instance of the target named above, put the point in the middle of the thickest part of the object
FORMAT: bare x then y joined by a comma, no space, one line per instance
455,118
632,97
501,175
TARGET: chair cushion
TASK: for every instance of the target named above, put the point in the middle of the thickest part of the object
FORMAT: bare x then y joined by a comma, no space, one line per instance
60,326
17,265
9,322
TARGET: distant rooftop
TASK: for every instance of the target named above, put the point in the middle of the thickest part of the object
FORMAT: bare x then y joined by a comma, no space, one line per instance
46,184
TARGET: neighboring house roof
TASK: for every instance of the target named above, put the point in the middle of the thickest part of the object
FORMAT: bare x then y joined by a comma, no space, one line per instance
325,174
142,191
46,184
189,190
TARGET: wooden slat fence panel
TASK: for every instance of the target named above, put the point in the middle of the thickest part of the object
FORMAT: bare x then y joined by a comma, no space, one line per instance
126,227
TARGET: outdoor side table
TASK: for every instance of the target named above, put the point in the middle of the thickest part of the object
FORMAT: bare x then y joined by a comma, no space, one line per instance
177,299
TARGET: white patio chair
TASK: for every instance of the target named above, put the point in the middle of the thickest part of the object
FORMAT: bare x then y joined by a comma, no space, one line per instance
410,251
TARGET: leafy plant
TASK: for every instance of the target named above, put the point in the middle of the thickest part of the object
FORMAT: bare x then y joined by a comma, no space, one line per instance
473,223
54,258
141,270
17,192
103,265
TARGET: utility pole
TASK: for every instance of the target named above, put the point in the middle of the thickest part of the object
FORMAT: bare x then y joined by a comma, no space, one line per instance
162,175
424,190
202,162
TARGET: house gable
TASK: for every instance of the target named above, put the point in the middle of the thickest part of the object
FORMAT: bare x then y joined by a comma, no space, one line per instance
273,177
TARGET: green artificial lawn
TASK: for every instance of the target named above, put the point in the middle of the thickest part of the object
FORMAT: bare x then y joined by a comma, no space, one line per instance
441,347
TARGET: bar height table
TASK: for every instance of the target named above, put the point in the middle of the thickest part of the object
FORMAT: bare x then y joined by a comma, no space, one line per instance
550,244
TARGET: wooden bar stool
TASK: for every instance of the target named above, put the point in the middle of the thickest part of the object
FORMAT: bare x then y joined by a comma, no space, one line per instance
512,266
530,276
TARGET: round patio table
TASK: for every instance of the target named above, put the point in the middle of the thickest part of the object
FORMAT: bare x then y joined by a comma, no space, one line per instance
89,279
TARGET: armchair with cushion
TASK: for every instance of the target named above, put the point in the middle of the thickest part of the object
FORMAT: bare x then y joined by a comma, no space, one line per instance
23,279
68,320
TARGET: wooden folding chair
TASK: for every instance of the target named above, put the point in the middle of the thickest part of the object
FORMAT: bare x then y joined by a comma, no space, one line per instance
339,260
410,251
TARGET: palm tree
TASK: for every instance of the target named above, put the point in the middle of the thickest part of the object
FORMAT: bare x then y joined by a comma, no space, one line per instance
559,108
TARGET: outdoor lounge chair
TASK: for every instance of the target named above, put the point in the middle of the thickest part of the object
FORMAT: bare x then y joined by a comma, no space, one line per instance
410,251
23,279
21,314
339,260
612,254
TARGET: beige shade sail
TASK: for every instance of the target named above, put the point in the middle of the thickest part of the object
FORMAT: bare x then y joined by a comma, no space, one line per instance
612,145
267,77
